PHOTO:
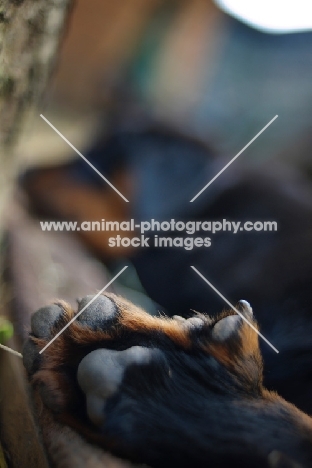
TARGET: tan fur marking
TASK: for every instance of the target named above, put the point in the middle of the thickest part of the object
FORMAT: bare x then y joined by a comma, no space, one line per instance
136,319
249,338
248,344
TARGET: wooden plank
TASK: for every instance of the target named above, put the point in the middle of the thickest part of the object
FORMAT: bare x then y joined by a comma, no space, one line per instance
2,458
42,267
19,432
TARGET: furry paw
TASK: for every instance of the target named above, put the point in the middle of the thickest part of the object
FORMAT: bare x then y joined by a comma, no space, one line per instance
131,382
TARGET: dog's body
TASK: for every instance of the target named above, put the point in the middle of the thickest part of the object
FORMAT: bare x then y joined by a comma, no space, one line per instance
167,392
181,393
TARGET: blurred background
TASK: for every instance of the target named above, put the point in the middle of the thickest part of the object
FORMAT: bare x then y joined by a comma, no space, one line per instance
186,64
159,96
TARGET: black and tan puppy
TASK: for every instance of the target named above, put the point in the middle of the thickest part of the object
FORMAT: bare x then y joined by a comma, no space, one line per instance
166,392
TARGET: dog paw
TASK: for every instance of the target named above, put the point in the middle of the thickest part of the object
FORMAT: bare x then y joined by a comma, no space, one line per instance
123,377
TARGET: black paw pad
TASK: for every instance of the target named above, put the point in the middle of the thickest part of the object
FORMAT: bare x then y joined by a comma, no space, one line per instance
230,326
227,327
31,357
43,321
99,313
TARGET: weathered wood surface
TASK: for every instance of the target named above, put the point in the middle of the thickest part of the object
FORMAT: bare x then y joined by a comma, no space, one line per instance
43,266
19,433
30,35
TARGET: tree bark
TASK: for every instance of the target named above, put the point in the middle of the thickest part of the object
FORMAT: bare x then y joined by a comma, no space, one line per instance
30,34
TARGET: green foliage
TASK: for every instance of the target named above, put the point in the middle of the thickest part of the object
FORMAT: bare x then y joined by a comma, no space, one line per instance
6,330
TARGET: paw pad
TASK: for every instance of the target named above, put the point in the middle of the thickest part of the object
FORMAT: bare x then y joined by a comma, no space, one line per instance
101,372
98,314
44,320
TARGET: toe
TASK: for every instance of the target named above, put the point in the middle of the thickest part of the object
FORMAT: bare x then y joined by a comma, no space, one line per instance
178,318
31,357
194,322
43,321
226,328
96,313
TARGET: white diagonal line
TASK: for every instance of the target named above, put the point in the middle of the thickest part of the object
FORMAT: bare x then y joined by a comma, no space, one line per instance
83,157
234,308
80,312
232,160
10,350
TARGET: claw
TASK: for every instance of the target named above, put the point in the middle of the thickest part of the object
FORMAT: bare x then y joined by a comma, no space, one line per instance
245,308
